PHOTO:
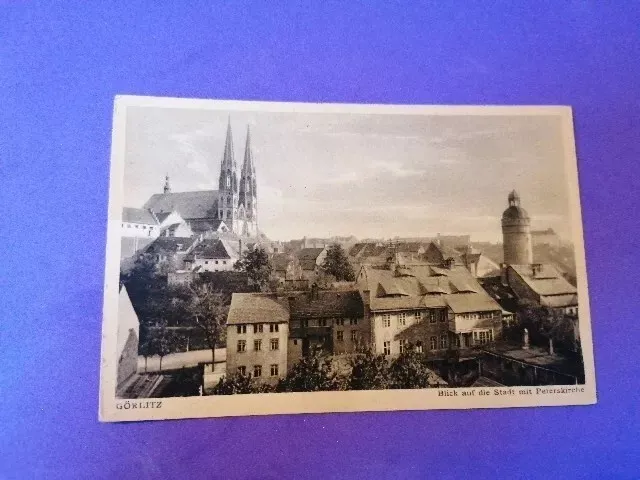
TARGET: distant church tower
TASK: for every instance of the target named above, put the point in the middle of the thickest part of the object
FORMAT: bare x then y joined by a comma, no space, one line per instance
228,184
248,197
516,233
167,186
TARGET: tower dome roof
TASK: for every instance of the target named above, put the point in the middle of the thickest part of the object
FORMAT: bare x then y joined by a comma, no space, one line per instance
515,213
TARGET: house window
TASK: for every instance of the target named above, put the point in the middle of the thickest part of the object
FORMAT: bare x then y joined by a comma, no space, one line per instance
433,343
353,321
340,322
224,262
275,344
304,323
418,316
354,335
481,337
387,348
386,320
402,319
144,227
443,341
295,342
403,345
419,347
206,262
432,316
273,327
257,328
216,262
322,322
128,226
241,329
274,370
257,345
242,370
257,371
242,346
137,226
340,335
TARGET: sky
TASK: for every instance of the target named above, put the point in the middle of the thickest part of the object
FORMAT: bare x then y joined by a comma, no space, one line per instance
367,175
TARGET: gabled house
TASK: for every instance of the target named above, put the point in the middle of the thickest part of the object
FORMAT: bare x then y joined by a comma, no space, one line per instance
311,260
211,255
432,308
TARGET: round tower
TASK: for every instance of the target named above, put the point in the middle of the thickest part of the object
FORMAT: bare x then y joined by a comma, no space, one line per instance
516,233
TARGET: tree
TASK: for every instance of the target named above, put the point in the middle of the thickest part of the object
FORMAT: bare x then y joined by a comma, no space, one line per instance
162,342
234,384
311,374
368,372
548,323
208,310
145,348
337,264
409,370
255,262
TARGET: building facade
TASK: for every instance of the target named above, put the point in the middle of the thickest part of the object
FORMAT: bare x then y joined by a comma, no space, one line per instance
257,336
332,321
428,308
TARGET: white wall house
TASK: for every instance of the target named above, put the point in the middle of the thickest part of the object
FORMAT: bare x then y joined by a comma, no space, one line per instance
139,223
211,255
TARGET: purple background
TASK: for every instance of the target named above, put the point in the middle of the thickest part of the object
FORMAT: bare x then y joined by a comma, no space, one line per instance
60,68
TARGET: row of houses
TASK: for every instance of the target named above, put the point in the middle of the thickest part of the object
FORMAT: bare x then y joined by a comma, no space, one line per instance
428,308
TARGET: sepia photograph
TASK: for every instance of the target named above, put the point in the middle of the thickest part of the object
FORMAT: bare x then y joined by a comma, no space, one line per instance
269,258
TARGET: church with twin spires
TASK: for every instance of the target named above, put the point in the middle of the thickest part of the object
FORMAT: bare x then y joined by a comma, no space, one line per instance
233,207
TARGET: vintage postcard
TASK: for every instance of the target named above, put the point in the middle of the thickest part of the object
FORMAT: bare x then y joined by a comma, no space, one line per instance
269,258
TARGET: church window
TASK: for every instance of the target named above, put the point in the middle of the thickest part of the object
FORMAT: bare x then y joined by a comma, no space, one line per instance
228,181
228,213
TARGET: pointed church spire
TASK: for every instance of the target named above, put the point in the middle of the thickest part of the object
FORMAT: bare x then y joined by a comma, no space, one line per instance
228,176
167,186
248,167
248,196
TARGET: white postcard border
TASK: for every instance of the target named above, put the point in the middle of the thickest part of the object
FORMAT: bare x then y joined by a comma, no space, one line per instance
114,409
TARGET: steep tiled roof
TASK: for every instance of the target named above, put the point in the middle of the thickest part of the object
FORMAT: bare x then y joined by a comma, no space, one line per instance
327,304
138,215
547,281
426,286
257,308
190,205
170,245
471,302
308,257
212,248
407,303
559,301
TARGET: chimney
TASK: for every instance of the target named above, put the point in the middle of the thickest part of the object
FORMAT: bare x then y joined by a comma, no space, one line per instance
314,291
504,277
